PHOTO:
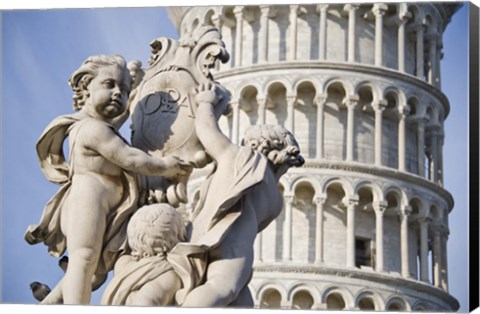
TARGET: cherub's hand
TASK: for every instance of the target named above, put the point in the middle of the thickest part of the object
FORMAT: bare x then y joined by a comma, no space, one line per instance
205,93
175,167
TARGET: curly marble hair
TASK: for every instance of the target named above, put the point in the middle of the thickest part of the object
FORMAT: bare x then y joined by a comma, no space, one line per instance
155,230
275,142
80,79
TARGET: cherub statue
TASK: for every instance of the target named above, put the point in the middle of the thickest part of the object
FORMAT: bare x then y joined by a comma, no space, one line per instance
238,200
89,214
145,277
136,72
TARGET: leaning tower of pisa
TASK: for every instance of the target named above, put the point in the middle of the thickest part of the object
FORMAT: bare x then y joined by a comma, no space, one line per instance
365,221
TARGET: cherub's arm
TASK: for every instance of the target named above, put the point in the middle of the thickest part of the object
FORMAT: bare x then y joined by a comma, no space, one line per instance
215,142
101,138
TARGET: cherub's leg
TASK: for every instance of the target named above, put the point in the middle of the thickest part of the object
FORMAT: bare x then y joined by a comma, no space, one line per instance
85,228
225,280
231,267
55,296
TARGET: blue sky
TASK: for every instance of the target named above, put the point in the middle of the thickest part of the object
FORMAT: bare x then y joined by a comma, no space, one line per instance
41,48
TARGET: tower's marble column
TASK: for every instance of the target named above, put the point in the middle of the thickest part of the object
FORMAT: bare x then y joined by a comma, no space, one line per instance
419,53
438,67
437,256
433,135
424,221
352,12
378,106
432,41
441,138
403,19
291,100
287,228
293,31
351,104
351,205
421,146
263,40
320,102
404,214
404,110
319,201
379,208
238,12
379,10
262,107
322,34
444,238
236,120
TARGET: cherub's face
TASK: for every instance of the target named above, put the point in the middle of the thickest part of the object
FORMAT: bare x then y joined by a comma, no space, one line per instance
108,91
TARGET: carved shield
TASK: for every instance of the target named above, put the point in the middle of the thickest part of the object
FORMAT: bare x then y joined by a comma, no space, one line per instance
163,105
163,119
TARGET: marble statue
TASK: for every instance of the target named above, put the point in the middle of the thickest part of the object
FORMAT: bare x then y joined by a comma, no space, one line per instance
128,195
98,188
145,277
238,200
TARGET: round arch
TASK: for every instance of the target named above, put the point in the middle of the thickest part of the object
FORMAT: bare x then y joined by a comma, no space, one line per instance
342,182
398,93
398,304
418,15
248,97
334,295
302,81
303,286
435,213
271,298
431,23
361,300
431,114
375,89
416,106
374,188
267,86
311,290
420,306
269,286
246,88
347,86
418,206
302,300
305,179
401,196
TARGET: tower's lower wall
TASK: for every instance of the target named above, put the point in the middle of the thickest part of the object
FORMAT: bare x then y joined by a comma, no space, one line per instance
317,287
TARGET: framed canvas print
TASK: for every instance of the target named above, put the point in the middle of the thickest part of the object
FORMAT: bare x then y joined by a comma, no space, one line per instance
269,155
